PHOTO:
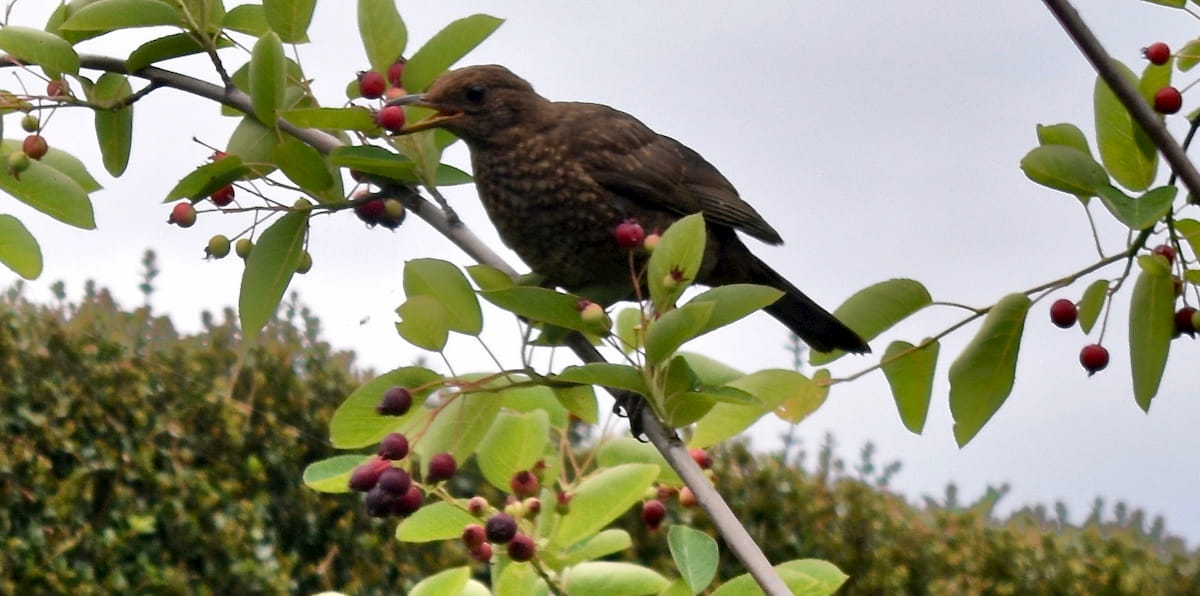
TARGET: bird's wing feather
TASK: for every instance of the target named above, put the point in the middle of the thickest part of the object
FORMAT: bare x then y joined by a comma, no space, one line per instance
628,159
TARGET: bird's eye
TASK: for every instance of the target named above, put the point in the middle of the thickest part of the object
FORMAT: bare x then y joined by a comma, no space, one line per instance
475,93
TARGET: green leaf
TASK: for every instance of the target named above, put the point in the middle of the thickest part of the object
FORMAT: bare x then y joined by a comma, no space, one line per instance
674,328
33,46
439,521
1126,149
804,577
711,372
1151,323
1092,303
611,578
303,164
602,498
1188,55
734,302
353,118
444,49
19,250
541,304
628,450
911,379
450,582
247,18
982,376
628,325
695,554
1065,134
811,396
1188,230
677,256
459,426
448,175
513,443
1139,213
1065,168
269,270
355,423
518,580
606,374
166,48
423,323
255,144
487,277
289,18
580,401
49,190
1171,3
208,178
114,129
446,283
332,475
536,398
875,309
109,15
268,78
772,387
375,160
383,33
602,544
63,162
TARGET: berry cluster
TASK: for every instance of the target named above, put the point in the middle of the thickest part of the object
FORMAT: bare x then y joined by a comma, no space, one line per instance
375,85
1167,100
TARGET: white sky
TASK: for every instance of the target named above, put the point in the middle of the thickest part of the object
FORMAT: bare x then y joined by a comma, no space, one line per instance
881,139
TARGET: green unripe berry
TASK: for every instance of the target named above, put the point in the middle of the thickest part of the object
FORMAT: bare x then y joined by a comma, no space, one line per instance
18,162
30,123
305,263
218,247
243,247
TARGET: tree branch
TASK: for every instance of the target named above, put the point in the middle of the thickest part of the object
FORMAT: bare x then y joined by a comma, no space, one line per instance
663,438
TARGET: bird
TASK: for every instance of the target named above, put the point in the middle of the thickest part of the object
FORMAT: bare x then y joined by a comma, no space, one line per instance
556,178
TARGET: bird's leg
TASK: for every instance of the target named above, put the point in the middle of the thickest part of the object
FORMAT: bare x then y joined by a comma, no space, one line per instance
630,405
451,216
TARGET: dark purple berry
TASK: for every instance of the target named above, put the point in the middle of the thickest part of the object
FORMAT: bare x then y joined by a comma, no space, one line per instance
393,447
501,528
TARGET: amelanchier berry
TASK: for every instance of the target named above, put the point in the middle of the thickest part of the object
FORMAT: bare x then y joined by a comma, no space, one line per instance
218,247
701,457
1157,53
396,402
521,548
366,475
1183,321
35,146
409,503
394,446
395,481
1165,250
371,84
473,535
500,528
182,215
653,513
1168,100
305,264
1094,358
390,118
223,196
1063,313
30,123
441,467
18,162
395,72
524,484
629,234
243,247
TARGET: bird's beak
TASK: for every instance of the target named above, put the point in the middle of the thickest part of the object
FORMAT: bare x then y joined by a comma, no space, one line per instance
420,100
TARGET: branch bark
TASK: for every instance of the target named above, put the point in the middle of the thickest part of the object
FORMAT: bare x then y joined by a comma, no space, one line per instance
664,439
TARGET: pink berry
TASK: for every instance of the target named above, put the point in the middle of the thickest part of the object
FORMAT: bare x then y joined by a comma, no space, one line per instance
183,215
653,513
390,118
371,84
629,234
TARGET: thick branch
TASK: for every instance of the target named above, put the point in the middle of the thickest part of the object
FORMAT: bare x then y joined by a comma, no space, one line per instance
734,533
1125,91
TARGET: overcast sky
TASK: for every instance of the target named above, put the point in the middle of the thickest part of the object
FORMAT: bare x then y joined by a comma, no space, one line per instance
881,139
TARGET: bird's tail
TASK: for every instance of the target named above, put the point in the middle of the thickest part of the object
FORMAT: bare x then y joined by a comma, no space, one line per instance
815,325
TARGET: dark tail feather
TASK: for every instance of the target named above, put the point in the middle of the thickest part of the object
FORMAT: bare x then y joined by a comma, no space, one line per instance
815,325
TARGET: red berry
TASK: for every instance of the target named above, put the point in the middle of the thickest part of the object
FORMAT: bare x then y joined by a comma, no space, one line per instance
35,146
57,88
371,85
562,502
409,502
441,467
1165,250
702,458
396,402
629,234
182,215
370,211
394,447
1167,100
390,118
1094,358
394,481
1183,321
521,548
482,553
500,528
1157,53
686,497
1063,313
223,196
524,484
396,72
366,475
218,155
653,513
473,535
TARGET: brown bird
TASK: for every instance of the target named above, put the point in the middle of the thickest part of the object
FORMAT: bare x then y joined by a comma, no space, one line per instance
557,178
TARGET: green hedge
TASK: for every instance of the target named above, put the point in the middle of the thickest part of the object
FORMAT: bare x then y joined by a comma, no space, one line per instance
142,461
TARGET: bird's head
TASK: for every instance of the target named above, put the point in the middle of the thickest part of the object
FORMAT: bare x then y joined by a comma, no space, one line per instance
480,104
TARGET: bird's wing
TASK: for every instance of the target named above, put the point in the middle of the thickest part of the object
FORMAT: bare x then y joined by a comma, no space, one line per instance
628,159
